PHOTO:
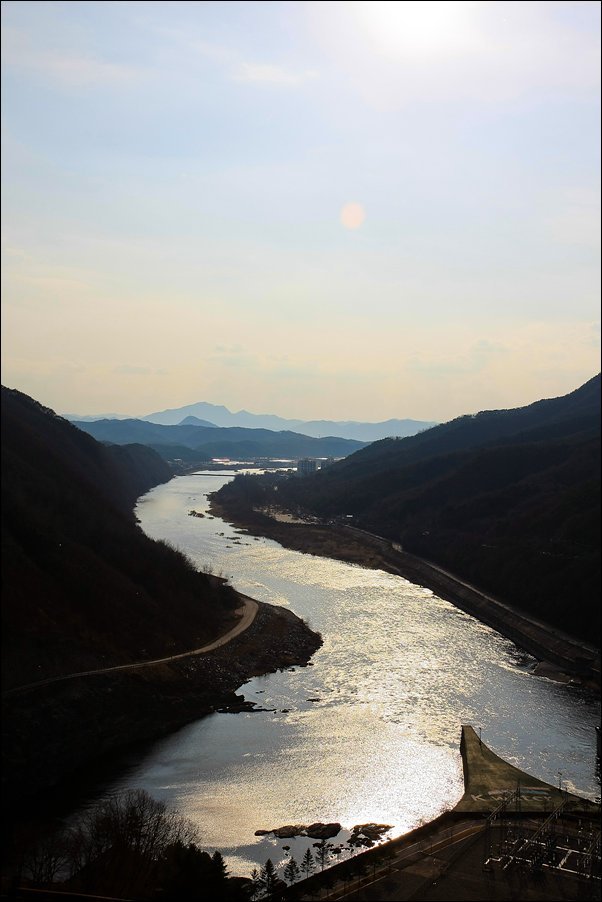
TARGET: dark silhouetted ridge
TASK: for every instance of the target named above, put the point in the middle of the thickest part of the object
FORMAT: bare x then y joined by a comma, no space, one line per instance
83,586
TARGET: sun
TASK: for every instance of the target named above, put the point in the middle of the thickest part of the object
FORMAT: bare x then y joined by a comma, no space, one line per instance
412,27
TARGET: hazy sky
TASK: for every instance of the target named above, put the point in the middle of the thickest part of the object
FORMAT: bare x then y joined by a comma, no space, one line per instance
342,210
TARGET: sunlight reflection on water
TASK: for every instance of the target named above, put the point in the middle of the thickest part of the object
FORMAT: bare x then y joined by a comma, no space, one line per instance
399,672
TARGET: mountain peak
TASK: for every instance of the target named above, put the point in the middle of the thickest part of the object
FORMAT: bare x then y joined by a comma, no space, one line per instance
204,413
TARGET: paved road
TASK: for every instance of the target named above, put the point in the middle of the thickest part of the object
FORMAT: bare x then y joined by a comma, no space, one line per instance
246,614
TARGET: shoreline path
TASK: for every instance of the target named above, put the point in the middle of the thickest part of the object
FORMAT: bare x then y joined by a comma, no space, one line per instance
246,614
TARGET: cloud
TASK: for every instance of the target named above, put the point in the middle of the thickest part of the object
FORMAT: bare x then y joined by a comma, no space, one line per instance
238,361
266,73
53,285
127,369
485,347
34,283
71,70
472,359
234,356
12,252
235,65
228,349
23,368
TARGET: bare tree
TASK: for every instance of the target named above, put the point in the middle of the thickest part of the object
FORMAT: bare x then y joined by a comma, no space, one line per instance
44,861
119,838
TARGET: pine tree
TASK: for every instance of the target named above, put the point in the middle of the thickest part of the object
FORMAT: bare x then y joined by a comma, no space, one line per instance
307,863
324,849
256,888
268,877
291,871
219,866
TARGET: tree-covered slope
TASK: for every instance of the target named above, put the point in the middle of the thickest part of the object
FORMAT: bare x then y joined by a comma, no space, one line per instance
572,414
82,585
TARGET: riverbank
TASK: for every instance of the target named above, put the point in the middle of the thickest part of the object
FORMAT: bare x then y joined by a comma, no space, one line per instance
53,732
561,656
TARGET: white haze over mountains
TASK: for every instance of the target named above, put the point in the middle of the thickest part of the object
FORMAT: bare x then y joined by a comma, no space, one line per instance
217,415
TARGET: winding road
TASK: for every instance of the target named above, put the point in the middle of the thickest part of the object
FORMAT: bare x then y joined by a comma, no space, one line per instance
246,615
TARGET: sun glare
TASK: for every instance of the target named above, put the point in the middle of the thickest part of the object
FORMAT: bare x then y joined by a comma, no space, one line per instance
412,27
352,215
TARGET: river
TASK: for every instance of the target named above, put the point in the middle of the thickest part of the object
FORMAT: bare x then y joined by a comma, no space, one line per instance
370,732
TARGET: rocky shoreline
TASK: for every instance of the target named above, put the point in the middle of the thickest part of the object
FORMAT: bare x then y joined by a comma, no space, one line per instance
56,731
561,657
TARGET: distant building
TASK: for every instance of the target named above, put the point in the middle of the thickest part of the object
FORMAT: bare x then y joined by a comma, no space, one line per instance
306,465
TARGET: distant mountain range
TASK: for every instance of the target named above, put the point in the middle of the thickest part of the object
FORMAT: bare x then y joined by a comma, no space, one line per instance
191,442
205,414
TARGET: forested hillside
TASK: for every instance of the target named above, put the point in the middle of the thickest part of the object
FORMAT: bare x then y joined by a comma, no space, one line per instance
509,500
83,586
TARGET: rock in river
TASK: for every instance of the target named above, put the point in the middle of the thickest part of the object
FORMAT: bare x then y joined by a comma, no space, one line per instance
289,831
322,831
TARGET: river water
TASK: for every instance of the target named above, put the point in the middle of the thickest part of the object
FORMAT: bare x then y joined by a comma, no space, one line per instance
370,732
